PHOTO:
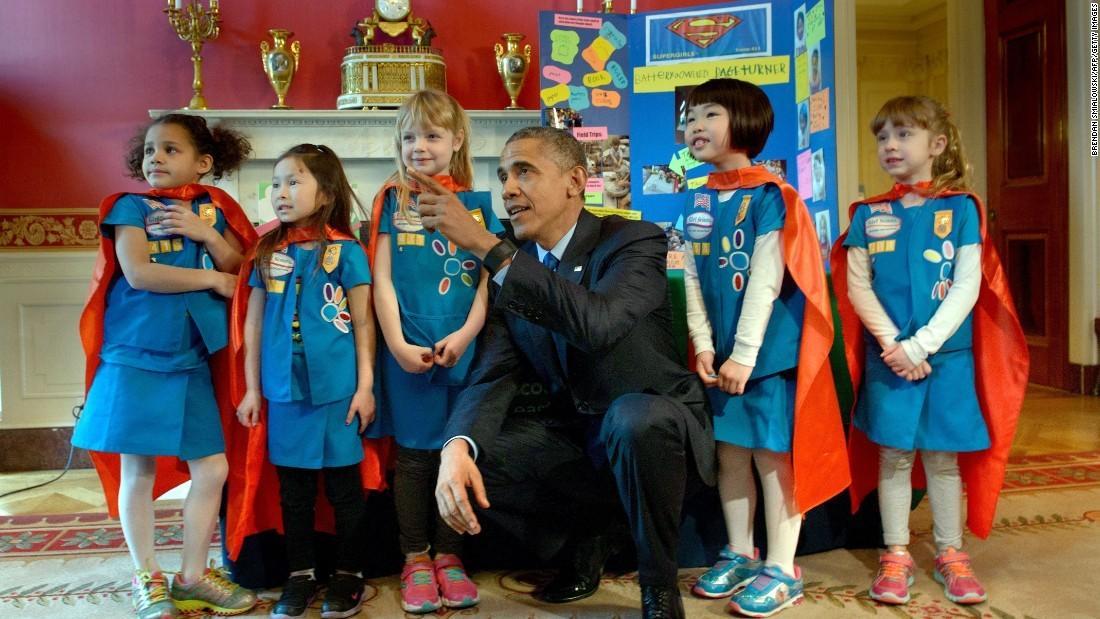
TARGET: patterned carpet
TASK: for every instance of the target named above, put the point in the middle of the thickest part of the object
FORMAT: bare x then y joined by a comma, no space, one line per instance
1048,529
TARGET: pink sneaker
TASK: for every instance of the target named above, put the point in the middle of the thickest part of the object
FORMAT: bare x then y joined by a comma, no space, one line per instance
895,576
959,582
419,590
457,590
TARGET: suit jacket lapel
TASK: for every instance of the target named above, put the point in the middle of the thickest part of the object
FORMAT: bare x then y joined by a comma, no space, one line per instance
573,264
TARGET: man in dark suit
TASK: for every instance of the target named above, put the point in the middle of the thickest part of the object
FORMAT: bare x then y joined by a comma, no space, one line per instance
583,303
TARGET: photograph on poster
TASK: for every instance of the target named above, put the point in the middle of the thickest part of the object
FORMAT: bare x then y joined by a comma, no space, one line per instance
800,30
658,179
562,118
804,124
815,67
680,112
777,167
819,175
609,160
824,233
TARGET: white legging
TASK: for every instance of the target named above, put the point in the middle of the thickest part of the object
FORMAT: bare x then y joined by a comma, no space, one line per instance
895,494
738,492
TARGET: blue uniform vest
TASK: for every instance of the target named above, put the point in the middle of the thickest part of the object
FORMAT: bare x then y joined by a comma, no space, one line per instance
435,281
326,329
912,252
723,236
154,321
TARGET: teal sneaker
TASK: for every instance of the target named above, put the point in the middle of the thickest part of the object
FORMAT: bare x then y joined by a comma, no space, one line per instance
730,573
770,592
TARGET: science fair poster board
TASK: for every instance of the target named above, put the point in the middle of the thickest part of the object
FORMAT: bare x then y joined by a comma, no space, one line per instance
620,82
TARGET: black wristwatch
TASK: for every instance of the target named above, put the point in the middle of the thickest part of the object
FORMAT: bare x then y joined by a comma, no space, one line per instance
504,250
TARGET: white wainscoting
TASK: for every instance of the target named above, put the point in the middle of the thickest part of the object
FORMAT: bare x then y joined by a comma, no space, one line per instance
41,362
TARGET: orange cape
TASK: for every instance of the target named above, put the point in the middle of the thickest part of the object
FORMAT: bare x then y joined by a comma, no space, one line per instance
820,461
1001,369
170,471
253,497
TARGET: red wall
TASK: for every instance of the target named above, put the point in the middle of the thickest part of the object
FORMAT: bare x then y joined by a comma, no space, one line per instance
77,77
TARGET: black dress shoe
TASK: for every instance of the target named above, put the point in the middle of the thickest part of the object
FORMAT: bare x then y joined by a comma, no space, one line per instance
661,603
581,571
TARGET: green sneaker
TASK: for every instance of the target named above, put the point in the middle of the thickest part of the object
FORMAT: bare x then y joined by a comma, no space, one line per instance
214,593
150,596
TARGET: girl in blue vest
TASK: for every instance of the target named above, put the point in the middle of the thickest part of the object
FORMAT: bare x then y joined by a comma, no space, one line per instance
746,331
431,300
309,348
914,274
156,314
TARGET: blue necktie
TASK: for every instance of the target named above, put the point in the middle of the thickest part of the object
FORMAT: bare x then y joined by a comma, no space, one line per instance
551,261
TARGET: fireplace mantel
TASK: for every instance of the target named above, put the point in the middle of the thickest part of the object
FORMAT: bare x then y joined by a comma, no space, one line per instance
363,140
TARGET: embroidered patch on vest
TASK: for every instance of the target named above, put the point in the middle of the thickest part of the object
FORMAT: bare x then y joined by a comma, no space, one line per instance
698,225
208,213
882,207
410,238
702,201
881,226
879,247
943,223
335,309
743,210
279,264
332,257
478,216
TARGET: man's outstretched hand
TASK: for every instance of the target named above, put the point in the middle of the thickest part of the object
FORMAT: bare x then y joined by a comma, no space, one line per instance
440,209
458,475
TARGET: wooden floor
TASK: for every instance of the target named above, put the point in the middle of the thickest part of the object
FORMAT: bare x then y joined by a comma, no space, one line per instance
1051,422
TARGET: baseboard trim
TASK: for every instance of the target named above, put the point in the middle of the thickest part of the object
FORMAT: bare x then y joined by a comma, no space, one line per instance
39,449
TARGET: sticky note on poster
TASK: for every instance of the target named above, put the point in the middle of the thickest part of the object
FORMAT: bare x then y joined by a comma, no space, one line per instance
577,21
617,74
554,95
805,175
613,35
815,23
597,78
597,53
578,98
593,198
589,134
682,161
819,111
605,98
564,45
697,182
801,77
556,74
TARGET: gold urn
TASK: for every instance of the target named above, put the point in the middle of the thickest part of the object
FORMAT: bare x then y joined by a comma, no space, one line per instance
280,64
512,65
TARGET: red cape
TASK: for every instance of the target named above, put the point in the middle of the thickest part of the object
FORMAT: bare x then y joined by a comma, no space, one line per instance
253,496
820,461
1001,369
171,472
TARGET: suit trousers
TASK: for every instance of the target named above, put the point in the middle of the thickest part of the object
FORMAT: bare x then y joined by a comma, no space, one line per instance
551,478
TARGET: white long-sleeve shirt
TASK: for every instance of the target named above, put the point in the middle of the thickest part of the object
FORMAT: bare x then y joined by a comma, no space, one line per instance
947,319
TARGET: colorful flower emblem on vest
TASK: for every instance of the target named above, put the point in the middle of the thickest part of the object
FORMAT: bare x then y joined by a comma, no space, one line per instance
453,267
944,283
736,259
335,309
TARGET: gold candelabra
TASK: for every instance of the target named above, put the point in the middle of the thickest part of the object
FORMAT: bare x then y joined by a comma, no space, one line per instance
195,25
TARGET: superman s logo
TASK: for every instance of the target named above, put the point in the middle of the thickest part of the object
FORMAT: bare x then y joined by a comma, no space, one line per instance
702,31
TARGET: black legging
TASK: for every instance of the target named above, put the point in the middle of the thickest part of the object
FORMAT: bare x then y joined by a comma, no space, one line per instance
298,497
417,513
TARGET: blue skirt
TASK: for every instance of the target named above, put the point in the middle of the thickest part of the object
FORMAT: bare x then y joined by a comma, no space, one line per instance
140,412
939,413
411,407
312,436
760,418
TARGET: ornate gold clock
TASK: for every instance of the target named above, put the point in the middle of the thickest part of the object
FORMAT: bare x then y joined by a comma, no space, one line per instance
392,57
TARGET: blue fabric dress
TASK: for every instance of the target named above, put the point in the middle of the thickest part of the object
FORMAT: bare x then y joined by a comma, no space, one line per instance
308,372
152,394
912,253
723,235
435,282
